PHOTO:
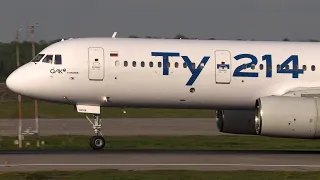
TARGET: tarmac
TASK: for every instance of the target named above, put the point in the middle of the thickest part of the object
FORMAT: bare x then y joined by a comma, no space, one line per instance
159,160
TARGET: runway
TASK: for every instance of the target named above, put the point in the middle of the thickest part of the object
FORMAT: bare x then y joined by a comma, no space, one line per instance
115,126
159,160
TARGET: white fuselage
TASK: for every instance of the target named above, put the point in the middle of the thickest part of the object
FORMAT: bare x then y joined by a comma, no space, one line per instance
86,81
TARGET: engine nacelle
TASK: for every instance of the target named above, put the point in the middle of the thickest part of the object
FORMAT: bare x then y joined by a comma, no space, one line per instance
236,121
293,117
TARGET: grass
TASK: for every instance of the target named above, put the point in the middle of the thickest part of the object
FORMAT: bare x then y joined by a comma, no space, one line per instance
54,110
161,175
233,142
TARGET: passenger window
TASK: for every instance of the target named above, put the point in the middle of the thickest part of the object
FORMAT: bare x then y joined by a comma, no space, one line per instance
304,67
142,63
313,67
261,66
151,64
125,63
134,64
159,64
184,65
253,66
48,59
201,65
57,59
117,63
176,65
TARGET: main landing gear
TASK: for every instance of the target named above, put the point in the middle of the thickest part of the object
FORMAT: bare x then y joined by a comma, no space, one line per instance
97,142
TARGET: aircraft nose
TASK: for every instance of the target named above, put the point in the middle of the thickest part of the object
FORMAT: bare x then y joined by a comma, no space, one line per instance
13,82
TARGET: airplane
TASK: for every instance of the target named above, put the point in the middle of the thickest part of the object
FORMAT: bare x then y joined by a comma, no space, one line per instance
265,88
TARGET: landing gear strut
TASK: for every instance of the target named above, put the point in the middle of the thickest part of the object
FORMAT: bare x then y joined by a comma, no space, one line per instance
97,142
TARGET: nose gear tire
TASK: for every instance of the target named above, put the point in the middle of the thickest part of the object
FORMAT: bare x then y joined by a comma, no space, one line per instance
97,142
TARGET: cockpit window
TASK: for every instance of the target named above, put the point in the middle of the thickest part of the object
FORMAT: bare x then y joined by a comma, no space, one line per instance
48,59
37,58
57,59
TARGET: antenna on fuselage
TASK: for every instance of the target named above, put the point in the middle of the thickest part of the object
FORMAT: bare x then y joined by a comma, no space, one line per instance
114,35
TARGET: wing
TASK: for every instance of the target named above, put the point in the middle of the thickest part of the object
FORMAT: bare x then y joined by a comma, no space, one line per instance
312,92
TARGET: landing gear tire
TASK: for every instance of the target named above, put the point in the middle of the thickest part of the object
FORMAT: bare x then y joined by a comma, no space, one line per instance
97,142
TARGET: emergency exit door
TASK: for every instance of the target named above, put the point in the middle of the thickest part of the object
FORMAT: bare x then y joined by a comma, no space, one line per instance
223,66
96,63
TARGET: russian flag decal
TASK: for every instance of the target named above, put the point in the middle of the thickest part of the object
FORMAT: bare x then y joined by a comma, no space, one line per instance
113,54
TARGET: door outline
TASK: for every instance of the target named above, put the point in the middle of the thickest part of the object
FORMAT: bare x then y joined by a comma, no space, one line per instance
217,70
90,65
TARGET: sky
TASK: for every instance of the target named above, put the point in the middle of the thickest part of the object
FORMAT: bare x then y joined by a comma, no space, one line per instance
220,19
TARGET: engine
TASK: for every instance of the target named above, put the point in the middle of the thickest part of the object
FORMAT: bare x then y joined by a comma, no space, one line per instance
294,117
236,121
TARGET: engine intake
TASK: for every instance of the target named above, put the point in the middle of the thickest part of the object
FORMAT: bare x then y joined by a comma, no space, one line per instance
236,121
293,117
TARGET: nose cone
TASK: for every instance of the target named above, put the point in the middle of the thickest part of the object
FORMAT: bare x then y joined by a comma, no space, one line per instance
13,82
21,80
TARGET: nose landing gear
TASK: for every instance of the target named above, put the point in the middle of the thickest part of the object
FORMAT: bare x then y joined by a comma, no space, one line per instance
97,142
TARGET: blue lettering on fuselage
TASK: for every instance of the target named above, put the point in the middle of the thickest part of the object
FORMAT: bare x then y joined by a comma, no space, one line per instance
165,57
194,72
238,71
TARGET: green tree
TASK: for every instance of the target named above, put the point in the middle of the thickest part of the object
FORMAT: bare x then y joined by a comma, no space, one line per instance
180,36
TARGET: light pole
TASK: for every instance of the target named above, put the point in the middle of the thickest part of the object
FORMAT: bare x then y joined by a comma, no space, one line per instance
19,96
32,29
